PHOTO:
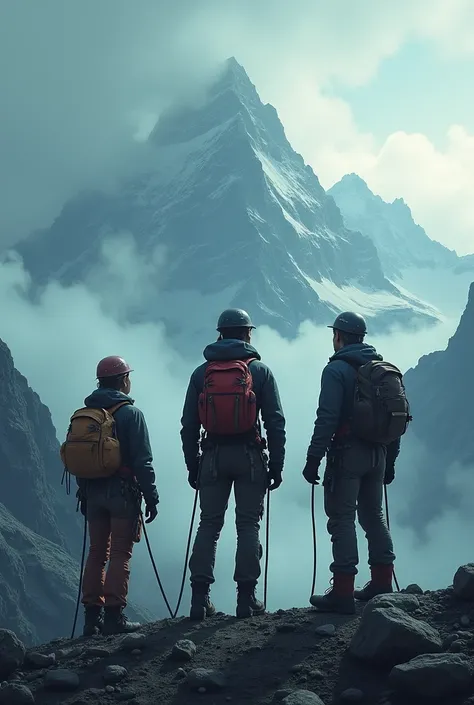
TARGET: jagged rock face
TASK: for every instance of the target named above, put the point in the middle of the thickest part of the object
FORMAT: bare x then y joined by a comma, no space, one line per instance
29,458
441,392
241,220
400,242
39,529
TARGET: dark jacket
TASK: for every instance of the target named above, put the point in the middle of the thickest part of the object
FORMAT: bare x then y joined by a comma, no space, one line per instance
266,392
337,397
132,433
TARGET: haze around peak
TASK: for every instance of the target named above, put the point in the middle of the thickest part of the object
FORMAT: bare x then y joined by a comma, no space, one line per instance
79,122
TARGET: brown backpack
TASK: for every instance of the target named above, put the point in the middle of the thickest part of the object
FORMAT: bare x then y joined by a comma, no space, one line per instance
91,449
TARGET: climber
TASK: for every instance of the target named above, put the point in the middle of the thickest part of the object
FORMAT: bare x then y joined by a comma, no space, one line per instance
357,466
110,492
225,401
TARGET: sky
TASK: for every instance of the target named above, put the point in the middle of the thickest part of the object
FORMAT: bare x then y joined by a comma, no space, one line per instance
159,383
381,89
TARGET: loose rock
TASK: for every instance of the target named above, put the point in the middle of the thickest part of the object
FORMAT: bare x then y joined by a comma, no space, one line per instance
12,653
114,674
389,636
61,679
109,689
465,621
97,652
207,678
36,660
16,694
282,693
463,583
434,675
302,697
183,650
414,589
125,695
326,630
134,641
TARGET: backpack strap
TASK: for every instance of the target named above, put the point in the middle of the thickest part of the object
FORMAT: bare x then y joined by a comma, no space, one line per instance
113,409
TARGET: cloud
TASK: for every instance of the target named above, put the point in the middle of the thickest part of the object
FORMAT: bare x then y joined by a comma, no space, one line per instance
56,343
81,84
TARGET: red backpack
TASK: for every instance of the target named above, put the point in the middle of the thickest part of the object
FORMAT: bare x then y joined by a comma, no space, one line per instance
227,404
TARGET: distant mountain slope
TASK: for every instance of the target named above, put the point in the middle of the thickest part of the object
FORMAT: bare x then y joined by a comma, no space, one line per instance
400,242
239,218
441,391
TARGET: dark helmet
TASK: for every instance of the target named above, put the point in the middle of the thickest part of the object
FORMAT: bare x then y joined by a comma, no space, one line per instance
234,318
350,322
112,366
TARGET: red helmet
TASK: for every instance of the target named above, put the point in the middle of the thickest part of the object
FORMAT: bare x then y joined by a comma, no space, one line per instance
112,366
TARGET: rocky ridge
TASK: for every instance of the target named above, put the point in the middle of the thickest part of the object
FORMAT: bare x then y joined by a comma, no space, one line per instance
401,649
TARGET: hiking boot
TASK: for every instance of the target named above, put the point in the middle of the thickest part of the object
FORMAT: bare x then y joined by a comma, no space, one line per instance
115,622
247,603
380,583
201,605
93,620
339,598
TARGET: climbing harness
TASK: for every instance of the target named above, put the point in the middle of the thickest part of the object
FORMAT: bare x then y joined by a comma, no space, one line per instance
267,544
81,573
313,522
388,525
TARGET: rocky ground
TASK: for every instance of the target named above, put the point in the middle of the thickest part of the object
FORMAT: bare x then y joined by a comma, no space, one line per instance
401,649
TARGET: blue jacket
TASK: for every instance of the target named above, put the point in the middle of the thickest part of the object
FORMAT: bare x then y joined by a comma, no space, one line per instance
266,392
337,397
132,433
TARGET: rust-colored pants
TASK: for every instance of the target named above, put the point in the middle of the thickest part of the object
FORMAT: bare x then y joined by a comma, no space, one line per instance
112,520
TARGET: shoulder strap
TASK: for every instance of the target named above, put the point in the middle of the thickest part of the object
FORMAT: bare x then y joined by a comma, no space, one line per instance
116,407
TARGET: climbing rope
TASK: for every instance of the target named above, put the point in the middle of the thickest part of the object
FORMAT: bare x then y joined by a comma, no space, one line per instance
267,544
313,522
188,548
387,516
157,575
81,573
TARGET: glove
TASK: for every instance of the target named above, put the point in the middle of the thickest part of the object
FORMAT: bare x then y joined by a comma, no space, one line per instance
193,474
310,471
389,474
151,512
274,476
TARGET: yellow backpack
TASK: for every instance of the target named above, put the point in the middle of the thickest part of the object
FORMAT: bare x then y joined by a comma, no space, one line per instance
91,449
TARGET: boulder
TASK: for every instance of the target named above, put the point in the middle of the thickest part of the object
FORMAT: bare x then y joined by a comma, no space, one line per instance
16,694
302,697
183,650
399,600
326,630
463,583
34,659
12,653
388,636
61,679
206,678
434,675
114,674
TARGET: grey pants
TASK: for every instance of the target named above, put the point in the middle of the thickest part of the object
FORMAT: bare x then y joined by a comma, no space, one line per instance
353,482
222,467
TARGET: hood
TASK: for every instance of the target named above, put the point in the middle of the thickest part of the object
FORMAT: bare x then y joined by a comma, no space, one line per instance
105,398
359,354
230,349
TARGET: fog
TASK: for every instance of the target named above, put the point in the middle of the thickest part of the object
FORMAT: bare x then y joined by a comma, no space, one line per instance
56,343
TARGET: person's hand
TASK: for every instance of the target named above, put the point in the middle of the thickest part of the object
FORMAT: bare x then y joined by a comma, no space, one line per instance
151,512
389,474
193,473
310,471
274,476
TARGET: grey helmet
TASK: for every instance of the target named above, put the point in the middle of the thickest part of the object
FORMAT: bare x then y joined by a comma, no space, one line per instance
350,322
234,318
